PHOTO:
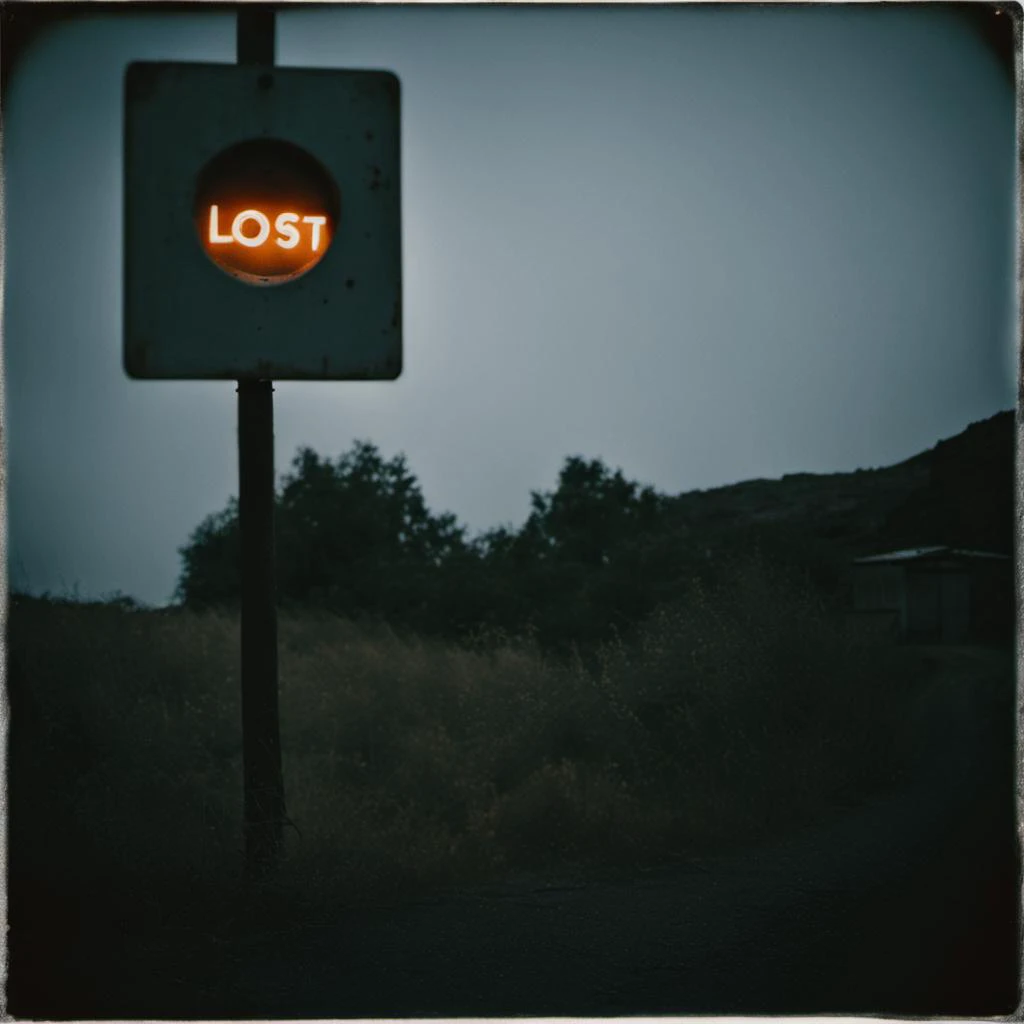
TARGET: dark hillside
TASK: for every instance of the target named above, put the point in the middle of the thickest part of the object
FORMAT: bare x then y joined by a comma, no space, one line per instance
960,492
812,520
968,500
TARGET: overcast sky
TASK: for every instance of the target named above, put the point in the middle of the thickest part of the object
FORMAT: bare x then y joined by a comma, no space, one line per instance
704,244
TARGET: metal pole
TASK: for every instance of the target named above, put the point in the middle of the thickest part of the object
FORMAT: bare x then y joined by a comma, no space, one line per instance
264,808
255,34
261,742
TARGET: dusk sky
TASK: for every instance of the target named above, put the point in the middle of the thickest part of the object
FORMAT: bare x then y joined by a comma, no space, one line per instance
703,244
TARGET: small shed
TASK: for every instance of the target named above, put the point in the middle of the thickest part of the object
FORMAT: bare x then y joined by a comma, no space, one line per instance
937,594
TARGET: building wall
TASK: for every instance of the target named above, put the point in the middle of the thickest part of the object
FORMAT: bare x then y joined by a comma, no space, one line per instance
940,600
923,604
993,602
938,603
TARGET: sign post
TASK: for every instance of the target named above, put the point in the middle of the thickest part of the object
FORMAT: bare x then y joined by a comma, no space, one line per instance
262,243
264,806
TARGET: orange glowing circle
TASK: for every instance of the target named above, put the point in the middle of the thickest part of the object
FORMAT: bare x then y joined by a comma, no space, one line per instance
265,211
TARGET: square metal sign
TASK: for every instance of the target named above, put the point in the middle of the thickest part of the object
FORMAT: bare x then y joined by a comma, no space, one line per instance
262,227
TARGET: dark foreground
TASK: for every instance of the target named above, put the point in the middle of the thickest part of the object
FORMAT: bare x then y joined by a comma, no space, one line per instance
906,906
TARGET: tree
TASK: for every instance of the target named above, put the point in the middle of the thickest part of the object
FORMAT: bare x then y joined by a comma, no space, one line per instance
354,533
571,569
209,574
357,534
591,514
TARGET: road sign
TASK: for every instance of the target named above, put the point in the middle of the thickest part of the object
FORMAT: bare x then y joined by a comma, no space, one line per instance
262,223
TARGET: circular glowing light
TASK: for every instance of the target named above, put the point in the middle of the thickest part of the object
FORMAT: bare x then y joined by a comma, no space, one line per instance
265,211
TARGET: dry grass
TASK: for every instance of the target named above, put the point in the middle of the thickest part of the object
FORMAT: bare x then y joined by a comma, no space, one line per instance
410,763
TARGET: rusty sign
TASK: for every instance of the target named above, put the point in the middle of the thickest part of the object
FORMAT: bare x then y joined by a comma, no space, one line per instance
262,223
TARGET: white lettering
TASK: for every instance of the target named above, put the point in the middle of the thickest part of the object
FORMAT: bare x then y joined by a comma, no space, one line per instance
260,237
318,223
216,238
287,234
285,225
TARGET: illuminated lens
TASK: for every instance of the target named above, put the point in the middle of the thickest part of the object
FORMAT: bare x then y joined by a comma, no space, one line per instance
265,211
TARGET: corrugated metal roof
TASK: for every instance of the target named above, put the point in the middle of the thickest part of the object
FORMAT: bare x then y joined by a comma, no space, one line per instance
910,554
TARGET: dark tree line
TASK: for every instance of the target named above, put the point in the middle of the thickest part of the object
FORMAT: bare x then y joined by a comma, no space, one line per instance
596,555
355,535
